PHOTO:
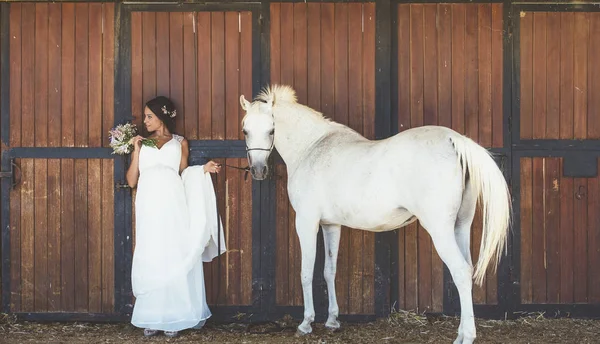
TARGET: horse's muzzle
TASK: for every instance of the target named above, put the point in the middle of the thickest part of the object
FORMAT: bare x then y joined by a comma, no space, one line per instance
259,172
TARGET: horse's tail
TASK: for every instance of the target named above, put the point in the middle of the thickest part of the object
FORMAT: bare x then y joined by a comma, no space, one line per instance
492,191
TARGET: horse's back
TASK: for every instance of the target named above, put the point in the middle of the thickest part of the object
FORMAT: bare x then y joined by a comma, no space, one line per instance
358,182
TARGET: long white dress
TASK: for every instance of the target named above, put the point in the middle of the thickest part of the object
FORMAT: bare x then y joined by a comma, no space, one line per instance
176,230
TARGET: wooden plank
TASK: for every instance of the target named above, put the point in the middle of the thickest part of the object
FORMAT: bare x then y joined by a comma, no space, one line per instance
567,196
538,252
137,61
281,223
94,239
204,77
552,235
404,67
190,78
54,76
15,242
68,75
27,236
411,281
567,88
218,75
497,75
416,65
484,62
28,76
108,207
149,70
430,68
300,42
580,237
471,73
232,225
369,83
275,39
526,50
108,63
287,44
245,64
232,51
444,64
246,210
175,63
593,231
539,75
526,176
580,75
313,55
553,77
95,46
162,54
368,104
15,80
41,75
355,121
81,74
67,235
40,197
458,67
80,198
593,125
327,59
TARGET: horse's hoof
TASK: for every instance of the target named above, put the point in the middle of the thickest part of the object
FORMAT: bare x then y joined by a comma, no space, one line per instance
300,333
333,326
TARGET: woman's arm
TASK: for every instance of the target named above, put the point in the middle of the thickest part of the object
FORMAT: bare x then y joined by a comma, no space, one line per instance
133,173
185,153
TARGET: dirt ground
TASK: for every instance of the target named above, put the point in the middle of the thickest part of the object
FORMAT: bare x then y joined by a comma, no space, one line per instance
398,328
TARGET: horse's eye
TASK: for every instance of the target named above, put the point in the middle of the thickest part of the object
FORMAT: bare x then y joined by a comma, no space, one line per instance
272,132
245,132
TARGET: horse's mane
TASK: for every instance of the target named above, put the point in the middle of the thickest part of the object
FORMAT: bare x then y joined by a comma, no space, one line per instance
286,94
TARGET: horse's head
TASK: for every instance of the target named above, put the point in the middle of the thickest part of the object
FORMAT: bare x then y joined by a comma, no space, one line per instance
259,131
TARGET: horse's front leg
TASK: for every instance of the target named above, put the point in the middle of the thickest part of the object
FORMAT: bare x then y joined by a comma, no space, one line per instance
307,233
331,236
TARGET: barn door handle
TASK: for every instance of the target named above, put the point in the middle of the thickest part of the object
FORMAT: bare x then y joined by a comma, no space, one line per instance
580,192
11,174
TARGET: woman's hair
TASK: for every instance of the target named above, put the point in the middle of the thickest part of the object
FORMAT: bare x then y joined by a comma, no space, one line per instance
164,109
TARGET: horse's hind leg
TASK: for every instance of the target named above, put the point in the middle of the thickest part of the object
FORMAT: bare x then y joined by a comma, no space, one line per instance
307,234
461,271
464,219
331,236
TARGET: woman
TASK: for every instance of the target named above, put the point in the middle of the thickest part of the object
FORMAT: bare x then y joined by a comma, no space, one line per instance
175,227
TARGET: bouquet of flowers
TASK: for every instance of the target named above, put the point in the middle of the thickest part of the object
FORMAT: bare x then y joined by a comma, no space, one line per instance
121,139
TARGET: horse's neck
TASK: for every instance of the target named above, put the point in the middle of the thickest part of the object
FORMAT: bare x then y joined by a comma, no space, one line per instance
296,133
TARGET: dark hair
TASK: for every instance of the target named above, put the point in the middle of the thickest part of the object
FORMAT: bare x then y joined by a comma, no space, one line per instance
164,109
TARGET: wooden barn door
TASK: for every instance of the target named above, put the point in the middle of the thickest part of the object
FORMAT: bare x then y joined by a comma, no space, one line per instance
327,53
556,162
58,220
203,60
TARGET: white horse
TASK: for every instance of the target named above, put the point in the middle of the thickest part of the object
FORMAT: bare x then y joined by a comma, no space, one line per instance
336,177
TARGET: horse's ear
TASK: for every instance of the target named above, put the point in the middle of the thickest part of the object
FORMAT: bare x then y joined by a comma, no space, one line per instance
244,103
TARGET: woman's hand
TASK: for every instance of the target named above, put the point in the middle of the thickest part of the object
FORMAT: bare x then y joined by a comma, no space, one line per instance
137,143
212,167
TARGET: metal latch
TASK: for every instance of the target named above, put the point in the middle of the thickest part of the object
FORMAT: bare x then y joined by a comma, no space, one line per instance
11,174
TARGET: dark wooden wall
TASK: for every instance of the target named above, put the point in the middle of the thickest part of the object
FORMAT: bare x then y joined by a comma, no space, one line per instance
202,61
61,215
560,226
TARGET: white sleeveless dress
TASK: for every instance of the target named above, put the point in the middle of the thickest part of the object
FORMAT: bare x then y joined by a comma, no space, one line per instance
176,230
